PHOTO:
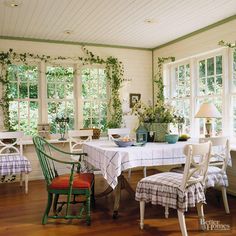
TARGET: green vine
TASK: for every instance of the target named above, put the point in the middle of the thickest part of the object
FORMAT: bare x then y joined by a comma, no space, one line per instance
159,77
114,74
230,45
113,70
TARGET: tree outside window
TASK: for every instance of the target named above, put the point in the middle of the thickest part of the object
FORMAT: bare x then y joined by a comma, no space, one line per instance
24,104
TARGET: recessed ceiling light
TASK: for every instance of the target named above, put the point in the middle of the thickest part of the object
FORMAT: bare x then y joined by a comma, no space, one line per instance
149,20
68,32
13,3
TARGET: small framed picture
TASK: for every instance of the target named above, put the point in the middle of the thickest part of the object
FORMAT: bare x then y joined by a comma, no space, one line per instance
134,98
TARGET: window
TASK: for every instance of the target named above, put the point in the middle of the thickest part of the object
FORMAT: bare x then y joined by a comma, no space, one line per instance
180,92
198,79
24,93
210,87
94,96
60,95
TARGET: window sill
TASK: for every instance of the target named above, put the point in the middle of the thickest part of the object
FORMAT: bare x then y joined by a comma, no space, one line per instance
30,142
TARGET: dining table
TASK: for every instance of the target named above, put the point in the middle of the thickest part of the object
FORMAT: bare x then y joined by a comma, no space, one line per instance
112,161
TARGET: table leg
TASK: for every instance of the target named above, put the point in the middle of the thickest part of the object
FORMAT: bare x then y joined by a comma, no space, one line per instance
117,197
108,190
122,184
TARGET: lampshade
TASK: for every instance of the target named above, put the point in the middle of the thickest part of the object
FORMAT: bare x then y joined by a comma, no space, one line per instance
208,110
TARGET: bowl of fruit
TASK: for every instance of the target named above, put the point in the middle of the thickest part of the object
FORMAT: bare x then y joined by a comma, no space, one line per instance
124,142
183,137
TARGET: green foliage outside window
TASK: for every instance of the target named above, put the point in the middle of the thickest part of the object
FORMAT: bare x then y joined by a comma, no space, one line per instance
60,95
94,95
23,95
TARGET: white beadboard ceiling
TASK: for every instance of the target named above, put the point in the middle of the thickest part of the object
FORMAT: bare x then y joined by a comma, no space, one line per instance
111,22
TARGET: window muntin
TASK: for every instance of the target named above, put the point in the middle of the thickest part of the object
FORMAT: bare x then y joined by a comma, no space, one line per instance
23,92
94,96
60,95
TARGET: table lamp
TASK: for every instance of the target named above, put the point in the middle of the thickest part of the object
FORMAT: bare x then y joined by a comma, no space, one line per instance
208,110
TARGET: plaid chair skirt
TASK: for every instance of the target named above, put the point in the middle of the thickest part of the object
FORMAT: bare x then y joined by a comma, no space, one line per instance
14,164
164,189
215,177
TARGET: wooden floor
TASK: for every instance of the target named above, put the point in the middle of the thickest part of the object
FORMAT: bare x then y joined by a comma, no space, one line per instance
21,214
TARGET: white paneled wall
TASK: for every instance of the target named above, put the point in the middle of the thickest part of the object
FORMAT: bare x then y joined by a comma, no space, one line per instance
137,73
200,43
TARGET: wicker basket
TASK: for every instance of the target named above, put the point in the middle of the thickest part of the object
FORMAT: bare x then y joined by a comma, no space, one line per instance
96,132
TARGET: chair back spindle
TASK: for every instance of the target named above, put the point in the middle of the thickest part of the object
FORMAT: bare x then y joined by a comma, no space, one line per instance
197,160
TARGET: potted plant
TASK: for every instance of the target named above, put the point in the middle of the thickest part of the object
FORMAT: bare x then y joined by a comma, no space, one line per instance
156,118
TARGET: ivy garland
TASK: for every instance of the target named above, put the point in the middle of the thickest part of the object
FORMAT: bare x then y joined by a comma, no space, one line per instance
114,71
159,77
230,45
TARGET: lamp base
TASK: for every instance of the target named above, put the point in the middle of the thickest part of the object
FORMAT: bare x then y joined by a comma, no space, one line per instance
62,139
208,126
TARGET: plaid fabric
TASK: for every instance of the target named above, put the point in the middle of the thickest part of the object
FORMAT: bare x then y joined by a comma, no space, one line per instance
164,189
112,160
14,164
216,177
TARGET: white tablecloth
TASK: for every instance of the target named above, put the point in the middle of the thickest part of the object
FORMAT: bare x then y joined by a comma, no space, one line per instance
112,160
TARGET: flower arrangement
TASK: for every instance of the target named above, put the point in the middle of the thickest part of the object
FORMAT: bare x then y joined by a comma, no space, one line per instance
159,113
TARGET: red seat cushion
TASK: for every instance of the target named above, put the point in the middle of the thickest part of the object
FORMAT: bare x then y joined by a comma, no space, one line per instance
83,181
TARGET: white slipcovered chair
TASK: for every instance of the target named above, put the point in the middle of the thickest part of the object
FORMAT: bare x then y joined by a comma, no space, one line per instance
216,173
122,132
76,140
178,190
12,160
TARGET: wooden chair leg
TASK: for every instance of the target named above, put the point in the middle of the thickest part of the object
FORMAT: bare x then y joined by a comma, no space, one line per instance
144,171
26,183
21,179
182,224
225,200
129,174
93,196
88,217
55,203
49,204
166,212
201,215
142,210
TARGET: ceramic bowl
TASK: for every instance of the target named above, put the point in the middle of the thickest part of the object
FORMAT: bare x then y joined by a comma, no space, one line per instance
171,138
121,143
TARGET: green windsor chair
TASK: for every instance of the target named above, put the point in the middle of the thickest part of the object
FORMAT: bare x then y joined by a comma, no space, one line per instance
74,185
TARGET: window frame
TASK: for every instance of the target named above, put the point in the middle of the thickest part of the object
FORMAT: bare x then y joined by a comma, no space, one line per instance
194,83
80,89
18,100
47,100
